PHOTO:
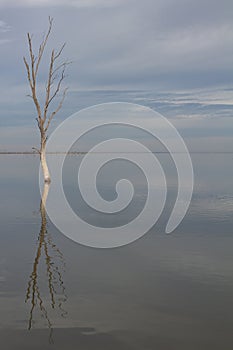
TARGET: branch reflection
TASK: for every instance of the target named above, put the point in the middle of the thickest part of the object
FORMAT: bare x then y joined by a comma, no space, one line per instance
54,268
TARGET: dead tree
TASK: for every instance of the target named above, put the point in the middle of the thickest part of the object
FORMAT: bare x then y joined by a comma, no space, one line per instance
53,85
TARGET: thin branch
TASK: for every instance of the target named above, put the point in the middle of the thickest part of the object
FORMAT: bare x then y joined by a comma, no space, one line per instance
43,44
59,67
56,110
59,52
36,149
28,72
32,77
58,86
32,59
53,75
48,87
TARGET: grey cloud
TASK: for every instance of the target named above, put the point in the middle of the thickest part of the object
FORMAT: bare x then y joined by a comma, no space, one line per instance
72,3
4,27
134,44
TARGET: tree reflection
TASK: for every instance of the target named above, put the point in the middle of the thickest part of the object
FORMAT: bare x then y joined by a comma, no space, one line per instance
54,268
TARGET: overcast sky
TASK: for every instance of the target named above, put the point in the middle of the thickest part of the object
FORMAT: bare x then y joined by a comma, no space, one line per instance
125,43
158,45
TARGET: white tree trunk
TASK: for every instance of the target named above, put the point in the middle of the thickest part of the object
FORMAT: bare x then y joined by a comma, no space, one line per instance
44,165
44,195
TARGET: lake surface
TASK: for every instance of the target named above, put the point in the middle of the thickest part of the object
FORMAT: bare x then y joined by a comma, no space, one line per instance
164,291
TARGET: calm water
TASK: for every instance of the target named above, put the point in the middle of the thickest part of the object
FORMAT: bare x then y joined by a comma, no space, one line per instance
161,292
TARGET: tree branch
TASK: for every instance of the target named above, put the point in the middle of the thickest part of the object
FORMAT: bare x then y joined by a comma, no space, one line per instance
59,52
28,72
48,87
43,44
56,110
36,149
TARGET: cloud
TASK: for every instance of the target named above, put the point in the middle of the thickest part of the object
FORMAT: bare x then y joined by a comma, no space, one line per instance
4,41
50,3
160,45
4,27
125,44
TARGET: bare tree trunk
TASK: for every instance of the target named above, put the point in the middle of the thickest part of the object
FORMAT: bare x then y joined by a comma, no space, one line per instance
44,165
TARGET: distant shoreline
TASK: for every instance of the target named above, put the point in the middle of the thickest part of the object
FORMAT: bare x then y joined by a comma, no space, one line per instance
86,152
